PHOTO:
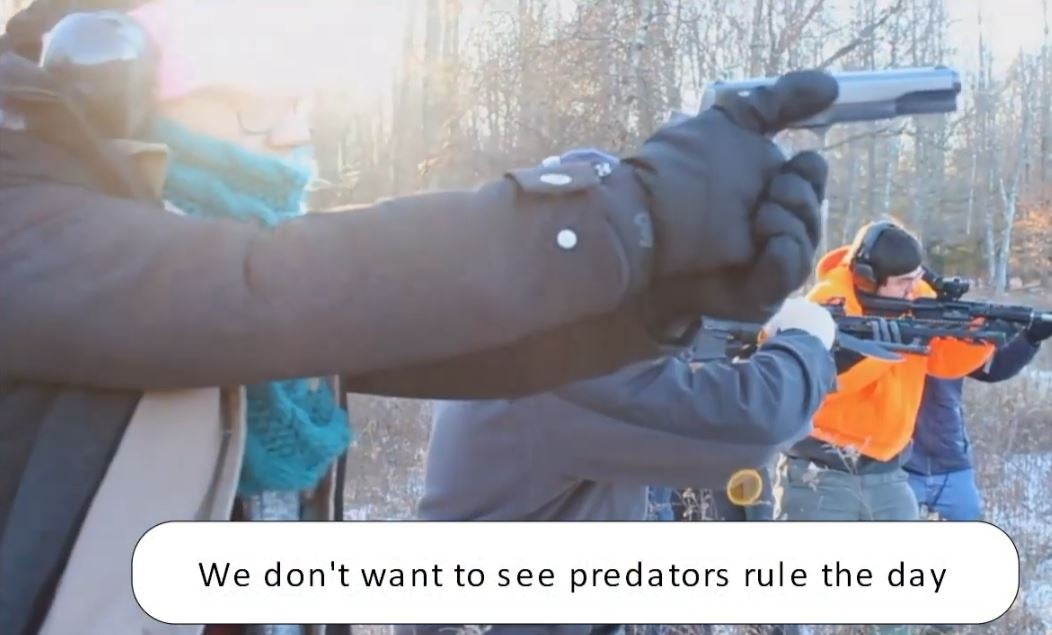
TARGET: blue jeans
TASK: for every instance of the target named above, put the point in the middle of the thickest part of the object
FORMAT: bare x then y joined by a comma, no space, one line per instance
953,496
659,503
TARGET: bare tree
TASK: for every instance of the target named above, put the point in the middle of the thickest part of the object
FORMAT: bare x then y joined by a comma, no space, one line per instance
1045,164
535,77
756,45
633,82
1009,178
866,34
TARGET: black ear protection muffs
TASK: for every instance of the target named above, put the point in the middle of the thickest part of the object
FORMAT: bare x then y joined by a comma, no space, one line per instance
862,270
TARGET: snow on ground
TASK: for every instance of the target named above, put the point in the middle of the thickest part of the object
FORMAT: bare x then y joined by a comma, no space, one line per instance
1021,505
1041,379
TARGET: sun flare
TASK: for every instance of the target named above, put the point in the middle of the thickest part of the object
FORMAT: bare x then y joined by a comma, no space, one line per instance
340,45
359,45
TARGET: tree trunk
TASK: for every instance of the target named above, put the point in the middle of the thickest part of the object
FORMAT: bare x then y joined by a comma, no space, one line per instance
850,193
633,81
1010,191
670,75
990,244
526,101
1045,165
756,48
971,188
432,64
401,172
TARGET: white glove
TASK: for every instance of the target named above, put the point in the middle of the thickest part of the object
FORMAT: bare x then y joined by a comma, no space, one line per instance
803,314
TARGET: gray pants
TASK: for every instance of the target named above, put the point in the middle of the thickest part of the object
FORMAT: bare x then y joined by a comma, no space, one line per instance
814,493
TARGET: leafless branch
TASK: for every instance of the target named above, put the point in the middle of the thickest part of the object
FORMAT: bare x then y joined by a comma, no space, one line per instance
863,35
887,131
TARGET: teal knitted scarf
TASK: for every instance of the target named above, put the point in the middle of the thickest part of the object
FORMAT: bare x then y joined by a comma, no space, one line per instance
295,431
209,177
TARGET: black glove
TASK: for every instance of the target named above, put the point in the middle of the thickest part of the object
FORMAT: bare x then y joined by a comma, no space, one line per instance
786,227
1038,332
736,225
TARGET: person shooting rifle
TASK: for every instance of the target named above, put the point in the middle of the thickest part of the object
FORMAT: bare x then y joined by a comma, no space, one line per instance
941,464
850,467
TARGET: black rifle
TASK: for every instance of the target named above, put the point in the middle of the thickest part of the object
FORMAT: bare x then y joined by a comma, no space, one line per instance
891,325
971,321
906,333
871,337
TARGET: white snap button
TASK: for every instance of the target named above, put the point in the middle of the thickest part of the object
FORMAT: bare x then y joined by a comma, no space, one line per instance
556,179
566,239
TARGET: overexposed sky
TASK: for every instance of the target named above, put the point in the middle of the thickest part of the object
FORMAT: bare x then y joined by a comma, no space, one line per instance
369,44
1011,25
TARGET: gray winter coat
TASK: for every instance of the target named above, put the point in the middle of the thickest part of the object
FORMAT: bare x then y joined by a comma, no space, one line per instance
587,451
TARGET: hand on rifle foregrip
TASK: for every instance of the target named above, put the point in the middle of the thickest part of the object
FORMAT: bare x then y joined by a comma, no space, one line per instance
805,315
886,331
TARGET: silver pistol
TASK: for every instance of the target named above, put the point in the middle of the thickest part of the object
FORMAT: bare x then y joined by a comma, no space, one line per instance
867,95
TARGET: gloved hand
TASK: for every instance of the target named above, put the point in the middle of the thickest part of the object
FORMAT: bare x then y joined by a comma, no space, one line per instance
1038,332
736,225
803,314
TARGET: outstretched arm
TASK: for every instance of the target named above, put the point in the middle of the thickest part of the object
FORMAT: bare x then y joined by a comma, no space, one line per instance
105,292
666,422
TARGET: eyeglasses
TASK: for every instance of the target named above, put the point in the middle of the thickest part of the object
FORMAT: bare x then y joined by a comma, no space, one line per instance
261,117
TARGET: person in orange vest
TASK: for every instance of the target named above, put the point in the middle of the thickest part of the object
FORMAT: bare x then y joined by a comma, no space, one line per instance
850,467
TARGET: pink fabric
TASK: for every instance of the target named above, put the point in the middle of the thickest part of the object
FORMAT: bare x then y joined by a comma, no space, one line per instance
263,47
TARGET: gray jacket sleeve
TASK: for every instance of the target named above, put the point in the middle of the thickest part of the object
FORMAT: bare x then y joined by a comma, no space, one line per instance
106,292
670,424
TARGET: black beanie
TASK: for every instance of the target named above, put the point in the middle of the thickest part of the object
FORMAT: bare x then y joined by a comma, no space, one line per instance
895,253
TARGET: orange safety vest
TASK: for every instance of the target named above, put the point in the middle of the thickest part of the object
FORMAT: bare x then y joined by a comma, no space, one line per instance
874,406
